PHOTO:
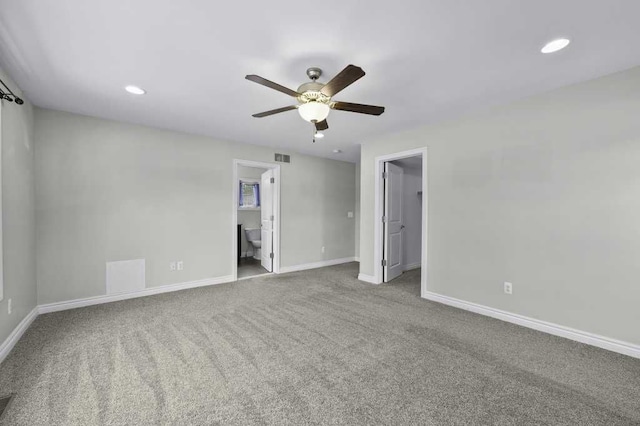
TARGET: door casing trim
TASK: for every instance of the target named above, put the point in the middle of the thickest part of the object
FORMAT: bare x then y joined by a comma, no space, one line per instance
379,211
234,213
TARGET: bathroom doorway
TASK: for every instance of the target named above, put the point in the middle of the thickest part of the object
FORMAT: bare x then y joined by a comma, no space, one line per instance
256,219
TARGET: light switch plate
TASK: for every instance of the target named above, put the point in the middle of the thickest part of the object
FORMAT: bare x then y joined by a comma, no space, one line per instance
350,215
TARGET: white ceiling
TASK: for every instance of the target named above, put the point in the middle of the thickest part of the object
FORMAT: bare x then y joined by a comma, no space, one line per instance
425,60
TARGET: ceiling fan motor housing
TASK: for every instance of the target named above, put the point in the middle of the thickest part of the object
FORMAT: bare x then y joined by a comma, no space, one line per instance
314,105
310,92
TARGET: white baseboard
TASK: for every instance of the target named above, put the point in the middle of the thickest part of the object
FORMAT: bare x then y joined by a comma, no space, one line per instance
411,266
322,264
97,300
17,333
368,278
614,345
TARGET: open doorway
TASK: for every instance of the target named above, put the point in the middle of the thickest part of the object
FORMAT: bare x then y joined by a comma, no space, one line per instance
401,216
402,227
256,219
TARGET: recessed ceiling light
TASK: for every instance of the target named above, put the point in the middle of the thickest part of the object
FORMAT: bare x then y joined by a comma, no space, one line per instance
555,45
319,135
337,151
135,90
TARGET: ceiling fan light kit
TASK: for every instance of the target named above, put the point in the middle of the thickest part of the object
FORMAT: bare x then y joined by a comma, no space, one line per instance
315,99
313,111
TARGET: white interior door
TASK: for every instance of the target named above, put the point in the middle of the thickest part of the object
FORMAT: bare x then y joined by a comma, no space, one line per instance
393,228
266,213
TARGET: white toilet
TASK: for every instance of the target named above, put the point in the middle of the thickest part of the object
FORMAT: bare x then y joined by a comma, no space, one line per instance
253,237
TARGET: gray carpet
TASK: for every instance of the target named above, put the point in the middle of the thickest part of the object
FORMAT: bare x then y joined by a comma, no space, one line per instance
313,347
4,403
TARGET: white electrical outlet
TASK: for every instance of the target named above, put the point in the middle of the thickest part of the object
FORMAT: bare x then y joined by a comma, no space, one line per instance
508,288
180,265
9,306
323,249
172,266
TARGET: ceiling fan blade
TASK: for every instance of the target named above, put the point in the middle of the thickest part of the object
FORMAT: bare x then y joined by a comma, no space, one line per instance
344,78
272,85
274,111
361,108
322,125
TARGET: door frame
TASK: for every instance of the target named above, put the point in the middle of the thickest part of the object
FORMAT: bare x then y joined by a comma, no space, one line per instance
234,213
378,238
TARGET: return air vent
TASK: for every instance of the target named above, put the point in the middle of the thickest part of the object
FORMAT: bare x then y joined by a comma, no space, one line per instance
283,158
127,276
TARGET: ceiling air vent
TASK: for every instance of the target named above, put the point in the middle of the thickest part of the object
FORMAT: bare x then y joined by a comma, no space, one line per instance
283,158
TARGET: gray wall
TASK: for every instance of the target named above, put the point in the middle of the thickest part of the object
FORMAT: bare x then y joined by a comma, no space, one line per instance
250,172
544,193
18,212
109,191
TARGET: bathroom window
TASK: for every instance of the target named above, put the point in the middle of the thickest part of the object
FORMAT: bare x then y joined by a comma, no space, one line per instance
249,195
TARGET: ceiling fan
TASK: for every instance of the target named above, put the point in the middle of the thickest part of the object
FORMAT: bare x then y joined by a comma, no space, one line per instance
314,98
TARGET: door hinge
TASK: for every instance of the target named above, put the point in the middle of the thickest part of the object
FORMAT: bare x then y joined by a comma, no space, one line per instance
273,180
384,262
384,219
271,255
272,218
385,175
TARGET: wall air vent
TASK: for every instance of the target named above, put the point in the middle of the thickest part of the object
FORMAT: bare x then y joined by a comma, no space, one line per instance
283,158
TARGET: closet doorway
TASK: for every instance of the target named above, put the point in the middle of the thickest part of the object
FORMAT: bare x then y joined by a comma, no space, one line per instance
391,255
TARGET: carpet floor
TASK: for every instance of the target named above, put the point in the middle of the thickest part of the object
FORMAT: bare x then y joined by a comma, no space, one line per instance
311,347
